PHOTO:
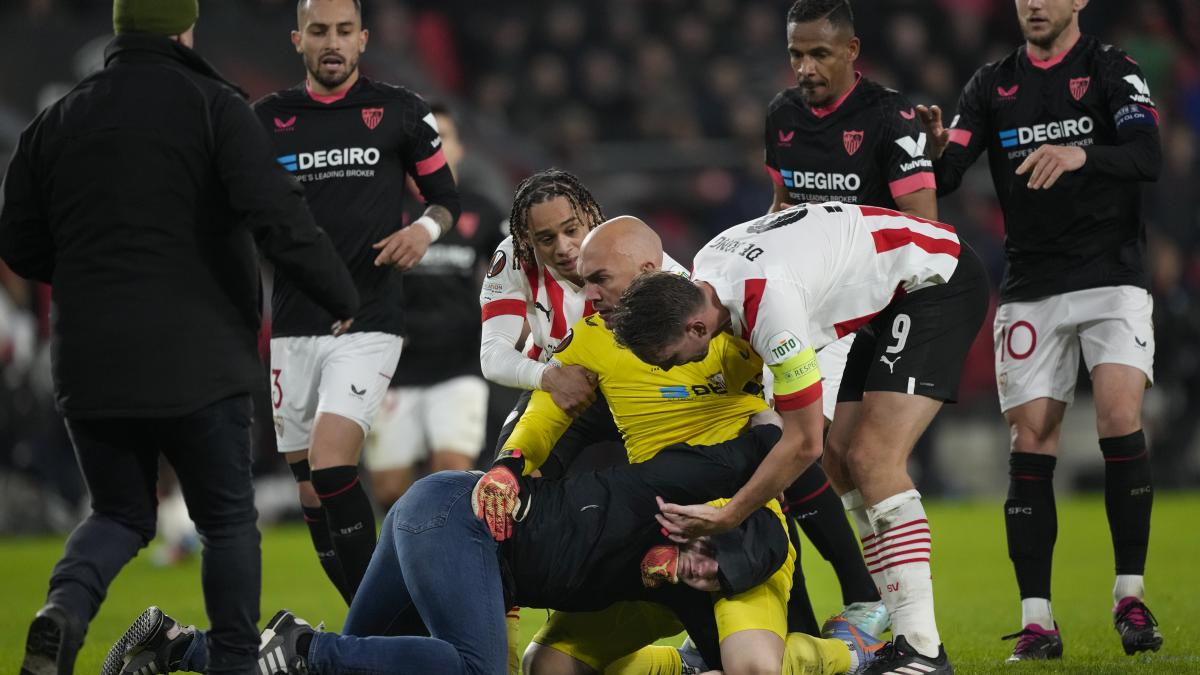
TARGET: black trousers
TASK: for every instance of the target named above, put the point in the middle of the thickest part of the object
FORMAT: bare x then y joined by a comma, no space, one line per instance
210,451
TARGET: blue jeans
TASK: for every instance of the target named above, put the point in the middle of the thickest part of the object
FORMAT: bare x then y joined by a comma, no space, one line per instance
433,555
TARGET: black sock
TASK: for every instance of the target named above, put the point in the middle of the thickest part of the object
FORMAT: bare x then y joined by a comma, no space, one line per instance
1128,497
820,513
1031,520
800,616
318,530
351,520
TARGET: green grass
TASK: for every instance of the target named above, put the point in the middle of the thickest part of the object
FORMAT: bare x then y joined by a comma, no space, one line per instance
976,593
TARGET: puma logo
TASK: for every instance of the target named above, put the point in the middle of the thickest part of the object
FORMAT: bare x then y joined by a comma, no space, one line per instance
543,310
890,364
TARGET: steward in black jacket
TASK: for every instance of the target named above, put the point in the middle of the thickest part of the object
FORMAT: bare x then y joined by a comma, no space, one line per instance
140,196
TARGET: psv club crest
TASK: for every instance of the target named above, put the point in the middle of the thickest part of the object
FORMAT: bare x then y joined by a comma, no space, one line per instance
1079,86
372,117
852,140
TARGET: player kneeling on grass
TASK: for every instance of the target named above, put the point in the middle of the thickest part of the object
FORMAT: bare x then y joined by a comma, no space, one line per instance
578,544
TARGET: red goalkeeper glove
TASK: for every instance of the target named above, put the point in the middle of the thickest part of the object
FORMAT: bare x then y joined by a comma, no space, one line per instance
495,496
661,563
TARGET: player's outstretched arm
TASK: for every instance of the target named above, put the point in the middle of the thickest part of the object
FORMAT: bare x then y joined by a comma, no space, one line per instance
689,474
797,449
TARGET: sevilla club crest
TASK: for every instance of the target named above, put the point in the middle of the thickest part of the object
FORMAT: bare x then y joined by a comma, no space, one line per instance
372,117
852,140
1079,86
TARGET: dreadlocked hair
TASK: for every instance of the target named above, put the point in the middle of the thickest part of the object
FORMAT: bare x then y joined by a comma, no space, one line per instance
542,187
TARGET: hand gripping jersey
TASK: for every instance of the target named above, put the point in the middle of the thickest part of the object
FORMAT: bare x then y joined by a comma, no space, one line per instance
1085,231
867,148
698,403
351,155
799,279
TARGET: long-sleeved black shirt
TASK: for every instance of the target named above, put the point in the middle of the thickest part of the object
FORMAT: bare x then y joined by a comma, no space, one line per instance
140,196
1086,231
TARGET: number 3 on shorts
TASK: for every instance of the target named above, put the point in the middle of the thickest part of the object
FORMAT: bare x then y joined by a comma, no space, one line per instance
276,388
900,328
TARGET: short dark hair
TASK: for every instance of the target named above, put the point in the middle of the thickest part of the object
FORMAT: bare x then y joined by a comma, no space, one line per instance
301,3
837,11
653,312
542,187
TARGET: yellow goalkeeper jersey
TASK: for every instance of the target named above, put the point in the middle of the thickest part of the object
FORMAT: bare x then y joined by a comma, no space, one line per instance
699,403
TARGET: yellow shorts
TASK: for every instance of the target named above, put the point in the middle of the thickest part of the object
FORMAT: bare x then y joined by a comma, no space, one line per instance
600,638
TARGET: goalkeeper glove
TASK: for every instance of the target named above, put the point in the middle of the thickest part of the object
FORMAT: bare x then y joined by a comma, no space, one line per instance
661,563
495,496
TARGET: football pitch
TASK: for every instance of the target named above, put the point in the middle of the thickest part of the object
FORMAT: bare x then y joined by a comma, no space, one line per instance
976,592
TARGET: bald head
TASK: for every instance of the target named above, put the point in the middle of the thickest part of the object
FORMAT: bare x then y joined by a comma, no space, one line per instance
624,236
612,255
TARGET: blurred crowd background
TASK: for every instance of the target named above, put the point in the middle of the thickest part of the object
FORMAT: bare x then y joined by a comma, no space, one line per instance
659,106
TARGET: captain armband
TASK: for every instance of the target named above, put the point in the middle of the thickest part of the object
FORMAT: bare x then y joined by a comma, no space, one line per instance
797,380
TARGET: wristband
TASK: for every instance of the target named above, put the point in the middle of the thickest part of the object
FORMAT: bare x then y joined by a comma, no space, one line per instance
430,226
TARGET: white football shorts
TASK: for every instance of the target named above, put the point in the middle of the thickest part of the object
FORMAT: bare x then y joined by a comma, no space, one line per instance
1037,343
346,375
449,416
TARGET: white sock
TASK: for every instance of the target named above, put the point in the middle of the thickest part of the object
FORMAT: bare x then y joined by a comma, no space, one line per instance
1129,585
1037,610
852,501
900,554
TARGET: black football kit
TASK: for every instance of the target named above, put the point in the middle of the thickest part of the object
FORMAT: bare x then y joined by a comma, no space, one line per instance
351,154
441,296
866,148
1085,231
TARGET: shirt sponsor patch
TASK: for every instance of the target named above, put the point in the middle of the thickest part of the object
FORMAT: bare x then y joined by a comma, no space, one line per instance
566,342
1133,114
497,265
784,345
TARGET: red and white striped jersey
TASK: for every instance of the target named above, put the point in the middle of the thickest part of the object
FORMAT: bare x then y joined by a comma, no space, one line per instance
813,273
549,303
